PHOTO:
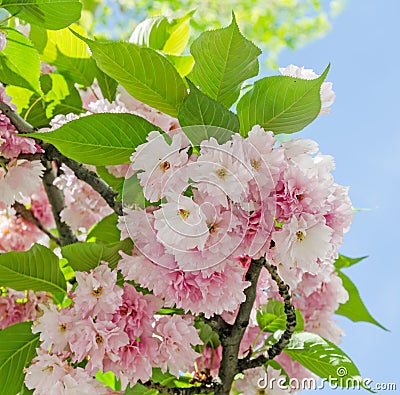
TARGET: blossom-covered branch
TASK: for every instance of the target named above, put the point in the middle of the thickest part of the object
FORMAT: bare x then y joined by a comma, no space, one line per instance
277,348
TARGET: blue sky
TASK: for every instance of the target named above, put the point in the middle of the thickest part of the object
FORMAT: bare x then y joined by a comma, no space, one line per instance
363,134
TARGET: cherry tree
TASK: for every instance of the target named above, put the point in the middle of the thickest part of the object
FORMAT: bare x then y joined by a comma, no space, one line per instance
162,228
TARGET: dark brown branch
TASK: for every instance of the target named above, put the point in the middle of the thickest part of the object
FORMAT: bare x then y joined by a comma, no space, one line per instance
231,338
86,175
20,124
56,199
28,215
283,341
52,153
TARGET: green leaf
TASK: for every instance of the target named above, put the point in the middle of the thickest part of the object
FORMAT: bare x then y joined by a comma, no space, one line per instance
281,104
37,269
50,14
143,72
198,112
223,60
60,97
139,389
207,335
108,85
105,231
183,63
169,35
271,317
324,359
354,308
19,62
84,257
100,139
116,183
17,348
67,52
344,261
109,379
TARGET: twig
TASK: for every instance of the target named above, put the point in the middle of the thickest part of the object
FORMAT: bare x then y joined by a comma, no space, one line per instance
56,199
277,348
28,215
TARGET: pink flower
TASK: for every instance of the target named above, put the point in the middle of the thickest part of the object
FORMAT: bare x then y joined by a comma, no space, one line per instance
177,335
21,179
97,293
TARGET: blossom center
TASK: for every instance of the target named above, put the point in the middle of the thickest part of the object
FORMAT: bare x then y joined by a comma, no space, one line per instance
63,327
255,164
221,173
300,235
98,339
165,166
212,228
97,292
184,213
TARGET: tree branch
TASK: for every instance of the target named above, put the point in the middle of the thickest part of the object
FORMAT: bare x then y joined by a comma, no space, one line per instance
56,199
28,215
52,153
232,337
277,348
20,124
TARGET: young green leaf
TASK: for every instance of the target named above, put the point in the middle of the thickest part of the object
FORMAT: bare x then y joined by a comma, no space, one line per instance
143,72
183,63
271,317
280,104
17,348
37,269
67,52
169,35
354,309
100,139
223,60
50,14
344,261
19,62
105,231
87,256
324,359
198,112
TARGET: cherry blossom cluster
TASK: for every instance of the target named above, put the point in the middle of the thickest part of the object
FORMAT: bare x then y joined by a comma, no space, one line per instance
108,328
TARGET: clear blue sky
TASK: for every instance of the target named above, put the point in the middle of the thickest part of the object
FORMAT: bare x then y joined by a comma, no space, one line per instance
363,134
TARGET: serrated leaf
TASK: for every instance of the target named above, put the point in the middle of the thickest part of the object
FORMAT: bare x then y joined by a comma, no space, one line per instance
37,270
198,112
100,139
17,348
280,104
105,231
224,59
19,62
108,85
84,257
344,261
354,309
116,183
271,317
139,389
207,335
323,358
67,52
143,72
50,14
